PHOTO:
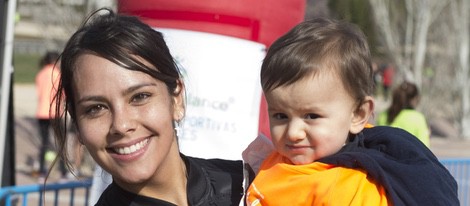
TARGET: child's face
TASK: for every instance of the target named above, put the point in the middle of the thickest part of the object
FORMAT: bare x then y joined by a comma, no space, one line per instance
124,119
311,118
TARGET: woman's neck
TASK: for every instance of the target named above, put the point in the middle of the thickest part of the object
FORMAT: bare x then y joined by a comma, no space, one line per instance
170,180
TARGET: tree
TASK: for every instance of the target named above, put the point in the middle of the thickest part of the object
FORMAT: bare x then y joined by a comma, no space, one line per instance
56,20
357,12
404,27
461,20
429,42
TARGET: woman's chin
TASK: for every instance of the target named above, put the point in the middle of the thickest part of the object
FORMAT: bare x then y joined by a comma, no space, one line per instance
131,178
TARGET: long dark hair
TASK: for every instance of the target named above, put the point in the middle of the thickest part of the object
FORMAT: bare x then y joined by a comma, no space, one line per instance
123,40
402,97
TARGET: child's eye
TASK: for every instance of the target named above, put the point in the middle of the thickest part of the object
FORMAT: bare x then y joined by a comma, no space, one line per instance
279,116
138,98
311,116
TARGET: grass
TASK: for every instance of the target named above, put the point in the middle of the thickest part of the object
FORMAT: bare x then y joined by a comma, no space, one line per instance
26,68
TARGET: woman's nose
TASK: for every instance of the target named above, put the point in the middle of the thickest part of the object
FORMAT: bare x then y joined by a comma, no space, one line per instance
123,121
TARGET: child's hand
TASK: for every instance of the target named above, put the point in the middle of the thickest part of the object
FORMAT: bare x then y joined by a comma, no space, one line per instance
257,151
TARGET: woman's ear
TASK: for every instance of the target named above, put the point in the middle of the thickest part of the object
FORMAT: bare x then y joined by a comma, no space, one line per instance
361,115
178,101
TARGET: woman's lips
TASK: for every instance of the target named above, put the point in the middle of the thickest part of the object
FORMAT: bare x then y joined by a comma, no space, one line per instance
132,148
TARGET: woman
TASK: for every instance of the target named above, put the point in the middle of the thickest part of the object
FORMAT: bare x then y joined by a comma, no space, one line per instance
125,95
402,112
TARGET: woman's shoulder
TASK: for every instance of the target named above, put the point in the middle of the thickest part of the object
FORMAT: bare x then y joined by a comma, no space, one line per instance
214,181
411,112
408,116
220,165
115,195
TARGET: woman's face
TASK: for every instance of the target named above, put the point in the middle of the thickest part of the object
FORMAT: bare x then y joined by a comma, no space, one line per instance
124,119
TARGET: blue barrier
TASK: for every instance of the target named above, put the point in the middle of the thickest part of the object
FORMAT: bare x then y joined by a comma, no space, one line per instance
13,195
460,169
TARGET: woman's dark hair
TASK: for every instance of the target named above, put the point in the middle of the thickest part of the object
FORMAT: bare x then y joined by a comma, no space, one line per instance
123,40
402,98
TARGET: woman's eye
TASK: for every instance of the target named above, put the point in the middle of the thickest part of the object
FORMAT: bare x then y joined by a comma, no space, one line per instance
311,116
94,110
140,97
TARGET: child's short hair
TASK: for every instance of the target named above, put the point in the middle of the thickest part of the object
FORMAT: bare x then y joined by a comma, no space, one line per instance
320,44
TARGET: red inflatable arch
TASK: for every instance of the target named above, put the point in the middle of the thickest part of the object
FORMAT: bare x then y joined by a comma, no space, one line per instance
261,21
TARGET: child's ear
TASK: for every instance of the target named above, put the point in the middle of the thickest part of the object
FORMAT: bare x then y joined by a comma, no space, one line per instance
178,101
361,115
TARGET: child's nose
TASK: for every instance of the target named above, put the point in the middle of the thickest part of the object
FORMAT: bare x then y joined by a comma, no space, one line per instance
296,131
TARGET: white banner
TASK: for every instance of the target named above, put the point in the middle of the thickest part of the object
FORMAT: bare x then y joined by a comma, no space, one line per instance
221,74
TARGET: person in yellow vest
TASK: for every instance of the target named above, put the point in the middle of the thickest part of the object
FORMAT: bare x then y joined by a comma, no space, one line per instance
402,112
318,83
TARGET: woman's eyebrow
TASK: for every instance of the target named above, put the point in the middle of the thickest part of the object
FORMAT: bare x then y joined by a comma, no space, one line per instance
125,92
136,87
90,98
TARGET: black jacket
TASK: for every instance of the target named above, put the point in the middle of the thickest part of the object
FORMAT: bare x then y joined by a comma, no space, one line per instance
406,168
210,182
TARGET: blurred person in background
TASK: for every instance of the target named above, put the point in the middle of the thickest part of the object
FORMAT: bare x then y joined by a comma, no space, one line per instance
46,83
402,112
387,79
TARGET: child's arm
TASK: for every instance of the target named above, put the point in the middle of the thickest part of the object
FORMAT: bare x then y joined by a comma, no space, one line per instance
257,151
253,156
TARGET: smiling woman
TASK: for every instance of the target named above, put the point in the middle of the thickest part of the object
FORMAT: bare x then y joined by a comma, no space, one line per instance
125,95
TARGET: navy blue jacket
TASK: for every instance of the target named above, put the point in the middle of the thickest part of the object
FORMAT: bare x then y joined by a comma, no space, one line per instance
410,173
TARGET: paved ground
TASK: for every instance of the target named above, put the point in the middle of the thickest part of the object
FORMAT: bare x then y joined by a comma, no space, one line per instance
27,140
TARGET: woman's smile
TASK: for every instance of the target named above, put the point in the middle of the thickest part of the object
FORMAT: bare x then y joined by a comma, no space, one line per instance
125,150
130,152
131,149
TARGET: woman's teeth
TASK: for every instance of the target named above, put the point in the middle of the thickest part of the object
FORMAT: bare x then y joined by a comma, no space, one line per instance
132,148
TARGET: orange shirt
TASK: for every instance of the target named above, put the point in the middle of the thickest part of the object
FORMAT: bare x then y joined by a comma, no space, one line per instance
46,87
281,183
